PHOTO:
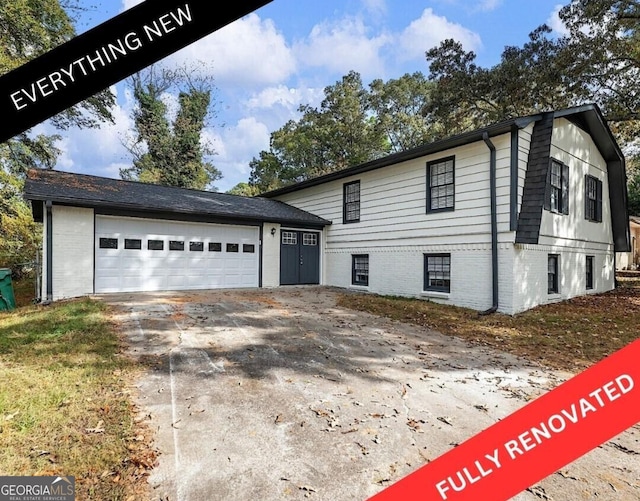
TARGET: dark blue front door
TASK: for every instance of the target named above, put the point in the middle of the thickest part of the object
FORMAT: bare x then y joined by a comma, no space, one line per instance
299,257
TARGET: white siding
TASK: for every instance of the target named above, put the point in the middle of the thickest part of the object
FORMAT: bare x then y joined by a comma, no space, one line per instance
396,231
570,236
270,255
72,252
530,265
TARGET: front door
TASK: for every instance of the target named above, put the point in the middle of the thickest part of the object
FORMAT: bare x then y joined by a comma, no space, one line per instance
299,257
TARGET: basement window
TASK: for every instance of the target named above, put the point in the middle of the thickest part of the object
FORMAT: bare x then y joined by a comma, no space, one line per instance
360,269
589,272
108,243
552,274
437,272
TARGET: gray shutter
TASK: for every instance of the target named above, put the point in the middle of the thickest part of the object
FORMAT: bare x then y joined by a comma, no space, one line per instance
565,189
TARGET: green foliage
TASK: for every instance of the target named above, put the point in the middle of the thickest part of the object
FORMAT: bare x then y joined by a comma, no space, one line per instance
399,106
596,61
353,125
244,189
170,154
29,28
633,185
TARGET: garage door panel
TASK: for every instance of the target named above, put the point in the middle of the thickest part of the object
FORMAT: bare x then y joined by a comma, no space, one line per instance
198,266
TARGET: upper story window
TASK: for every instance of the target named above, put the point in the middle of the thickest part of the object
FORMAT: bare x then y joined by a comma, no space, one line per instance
557,191
593,199
441,185
351,202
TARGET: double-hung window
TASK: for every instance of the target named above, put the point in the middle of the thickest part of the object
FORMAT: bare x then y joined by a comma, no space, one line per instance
441,185
437,272
593,199
557,190
351,202
360,269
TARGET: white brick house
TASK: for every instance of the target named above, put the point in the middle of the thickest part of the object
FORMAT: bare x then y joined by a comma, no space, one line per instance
525,212
522,213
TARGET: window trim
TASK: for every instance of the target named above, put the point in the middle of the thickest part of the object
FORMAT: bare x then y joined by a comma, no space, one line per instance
430,164
346,204
354,281
555,288
563,189
589,272
597,201
426,286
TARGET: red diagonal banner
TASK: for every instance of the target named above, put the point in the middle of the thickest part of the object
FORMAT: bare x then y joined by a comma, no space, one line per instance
535,441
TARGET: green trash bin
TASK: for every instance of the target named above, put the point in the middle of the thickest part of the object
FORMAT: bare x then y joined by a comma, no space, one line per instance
7,298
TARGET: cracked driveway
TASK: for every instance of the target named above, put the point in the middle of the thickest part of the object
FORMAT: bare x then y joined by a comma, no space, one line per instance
278,394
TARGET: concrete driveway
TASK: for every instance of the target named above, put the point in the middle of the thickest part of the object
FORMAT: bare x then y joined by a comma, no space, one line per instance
278,394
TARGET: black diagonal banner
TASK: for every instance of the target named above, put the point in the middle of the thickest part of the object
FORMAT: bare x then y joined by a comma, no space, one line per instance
107,54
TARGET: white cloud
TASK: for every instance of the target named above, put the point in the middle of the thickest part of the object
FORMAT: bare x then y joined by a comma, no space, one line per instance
488,5
555,23
235,147
343,46
375,8
428,31
94,151
249,52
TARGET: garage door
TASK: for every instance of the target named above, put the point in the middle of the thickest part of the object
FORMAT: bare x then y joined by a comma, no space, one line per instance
135,254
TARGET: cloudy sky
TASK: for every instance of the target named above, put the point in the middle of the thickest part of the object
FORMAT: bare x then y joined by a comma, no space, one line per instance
265,65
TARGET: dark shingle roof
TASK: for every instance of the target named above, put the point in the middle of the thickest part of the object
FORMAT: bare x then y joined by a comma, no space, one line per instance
100,192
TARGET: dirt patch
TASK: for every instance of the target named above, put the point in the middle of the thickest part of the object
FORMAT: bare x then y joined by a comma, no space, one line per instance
570,335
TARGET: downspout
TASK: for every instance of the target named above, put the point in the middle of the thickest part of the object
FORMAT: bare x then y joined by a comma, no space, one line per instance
49,256
494,224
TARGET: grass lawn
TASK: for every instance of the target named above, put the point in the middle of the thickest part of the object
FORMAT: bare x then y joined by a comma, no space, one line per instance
65,407
571,335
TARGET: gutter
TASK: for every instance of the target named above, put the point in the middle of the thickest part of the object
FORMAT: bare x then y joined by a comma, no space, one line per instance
494,224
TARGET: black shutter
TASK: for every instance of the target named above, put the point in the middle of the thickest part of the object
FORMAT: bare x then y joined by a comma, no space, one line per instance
599,201
565,189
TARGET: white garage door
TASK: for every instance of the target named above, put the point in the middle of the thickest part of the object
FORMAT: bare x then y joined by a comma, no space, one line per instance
135,254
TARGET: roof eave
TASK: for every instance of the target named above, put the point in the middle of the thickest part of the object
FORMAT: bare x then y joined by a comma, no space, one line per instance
101,204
